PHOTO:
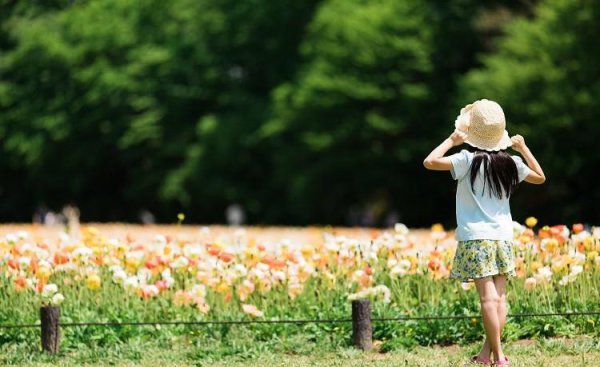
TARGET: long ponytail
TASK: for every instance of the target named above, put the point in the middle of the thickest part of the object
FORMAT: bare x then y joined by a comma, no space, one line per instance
499,172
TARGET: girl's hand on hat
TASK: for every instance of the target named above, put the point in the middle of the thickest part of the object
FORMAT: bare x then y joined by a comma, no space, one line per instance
518,143
536,174
458,137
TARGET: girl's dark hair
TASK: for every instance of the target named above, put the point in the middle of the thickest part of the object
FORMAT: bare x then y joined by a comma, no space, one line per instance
499,170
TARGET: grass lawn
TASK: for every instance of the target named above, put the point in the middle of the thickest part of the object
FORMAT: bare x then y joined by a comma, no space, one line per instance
530,353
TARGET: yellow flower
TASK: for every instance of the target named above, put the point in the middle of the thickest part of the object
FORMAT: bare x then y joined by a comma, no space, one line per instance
531,222
92,231
294,290
132,263
306,251
558,265
330,279
251,255
570,260
222,287
535,266
438,227
549,244
93,281
592,255
264,285
182,298
43,273
524,239
180,217
588,242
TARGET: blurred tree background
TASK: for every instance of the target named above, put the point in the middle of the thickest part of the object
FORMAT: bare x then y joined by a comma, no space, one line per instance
302,112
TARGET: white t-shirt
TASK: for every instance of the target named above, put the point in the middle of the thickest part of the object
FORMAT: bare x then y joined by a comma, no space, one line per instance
479,216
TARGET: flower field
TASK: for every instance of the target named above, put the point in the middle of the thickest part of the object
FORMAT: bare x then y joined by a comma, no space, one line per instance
121,273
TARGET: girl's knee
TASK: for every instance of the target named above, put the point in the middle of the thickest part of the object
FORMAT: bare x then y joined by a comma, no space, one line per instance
490,299
502,299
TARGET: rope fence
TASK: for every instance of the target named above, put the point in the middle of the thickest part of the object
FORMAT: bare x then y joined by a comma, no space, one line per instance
361,323
300,321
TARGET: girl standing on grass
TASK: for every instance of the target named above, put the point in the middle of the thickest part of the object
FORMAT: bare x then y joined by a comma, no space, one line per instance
487,176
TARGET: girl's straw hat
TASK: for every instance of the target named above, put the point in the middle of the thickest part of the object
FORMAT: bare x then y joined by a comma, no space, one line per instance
483,122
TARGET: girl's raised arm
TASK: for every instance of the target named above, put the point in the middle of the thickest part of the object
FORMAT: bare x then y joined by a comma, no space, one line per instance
435,160
536,175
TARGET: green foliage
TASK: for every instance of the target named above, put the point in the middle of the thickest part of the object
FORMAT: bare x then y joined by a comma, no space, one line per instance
411,296
80,110
325,106
545,74
298,352
108,102
358,94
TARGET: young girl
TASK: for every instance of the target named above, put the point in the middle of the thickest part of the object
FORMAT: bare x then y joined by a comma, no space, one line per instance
487,176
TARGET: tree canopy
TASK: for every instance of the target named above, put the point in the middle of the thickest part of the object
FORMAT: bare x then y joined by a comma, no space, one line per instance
545,74
302,112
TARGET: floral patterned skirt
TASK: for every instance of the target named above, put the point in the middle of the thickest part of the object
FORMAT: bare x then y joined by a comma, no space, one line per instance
483,258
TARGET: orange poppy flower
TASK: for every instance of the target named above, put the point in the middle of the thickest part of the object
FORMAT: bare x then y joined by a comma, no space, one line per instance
226,256
577,228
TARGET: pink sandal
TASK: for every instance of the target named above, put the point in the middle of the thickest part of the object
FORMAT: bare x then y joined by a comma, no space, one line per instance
484,361
505,362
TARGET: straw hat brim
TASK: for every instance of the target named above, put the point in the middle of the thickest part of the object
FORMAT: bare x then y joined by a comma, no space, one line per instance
488,145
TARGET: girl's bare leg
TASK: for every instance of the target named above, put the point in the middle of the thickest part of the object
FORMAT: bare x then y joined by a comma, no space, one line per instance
485,352
489,299
500,284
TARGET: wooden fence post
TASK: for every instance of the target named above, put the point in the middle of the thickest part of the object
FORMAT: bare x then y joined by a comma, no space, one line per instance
50,317
362,333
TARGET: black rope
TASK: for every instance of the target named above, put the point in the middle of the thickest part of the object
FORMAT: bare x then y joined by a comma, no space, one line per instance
582,313
424,318
453,317
19,326
300,321
207,322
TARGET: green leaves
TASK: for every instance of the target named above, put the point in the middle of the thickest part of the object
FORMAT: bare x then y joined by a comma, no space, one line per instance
364,64
327,105
542,76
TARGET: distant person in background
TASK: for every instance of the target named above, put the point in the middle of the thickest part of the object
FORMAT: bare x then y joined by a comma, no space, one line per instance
68,217
39,215
43,215
71,220
235,215
487,176
146,217
51,219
